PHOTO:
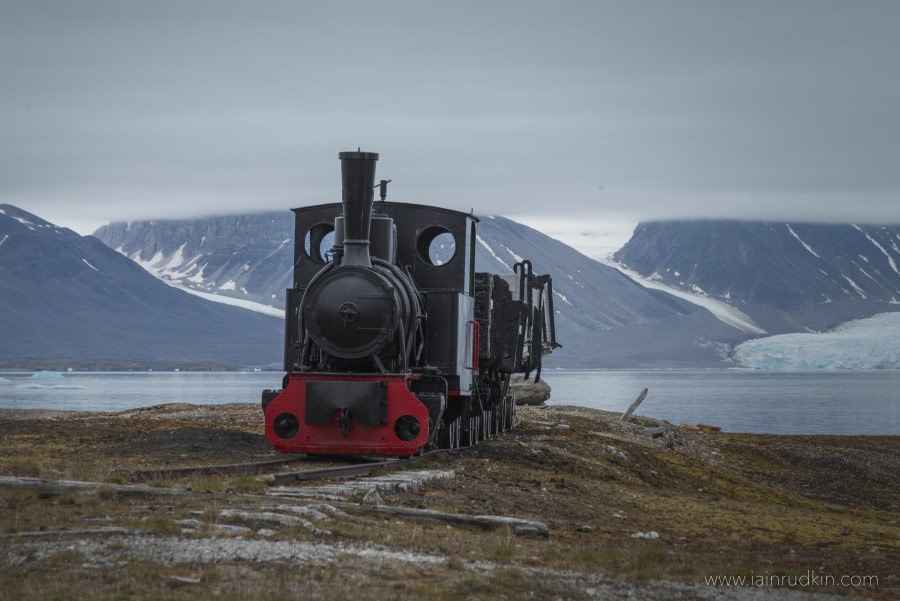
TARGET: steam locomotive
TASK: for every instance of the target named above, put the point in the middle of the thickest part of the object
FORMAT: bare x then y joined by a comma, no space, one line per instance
394,344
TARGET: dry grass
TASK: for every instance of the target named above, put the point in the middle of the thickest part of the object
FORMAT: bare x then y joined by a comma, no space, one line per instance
722,504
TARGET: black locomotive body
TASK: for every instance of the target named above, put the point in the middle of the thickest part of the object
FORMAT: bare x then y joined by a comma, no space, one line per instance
394,344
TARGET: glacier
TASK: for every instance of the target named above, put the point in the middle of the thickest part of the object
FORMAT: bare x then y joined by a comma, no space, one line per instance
47,375
869,343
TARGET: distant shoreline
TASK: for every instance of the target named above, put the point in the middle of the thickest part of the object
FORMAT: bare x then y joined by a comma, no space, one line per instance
65,364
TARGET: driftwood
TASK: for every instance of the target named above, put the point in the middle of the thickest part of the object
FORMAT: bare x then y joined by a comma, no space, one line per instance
708,428
273,517
518,526
72,533
634,405
61,487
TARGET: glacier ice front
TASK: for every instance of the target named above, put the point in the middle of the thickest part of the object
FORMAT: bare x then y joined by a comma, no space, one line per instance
47,375
861,344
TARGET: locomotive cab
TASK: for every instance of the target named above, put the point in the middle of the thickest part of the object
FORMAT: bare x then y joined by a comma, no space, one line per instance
393,343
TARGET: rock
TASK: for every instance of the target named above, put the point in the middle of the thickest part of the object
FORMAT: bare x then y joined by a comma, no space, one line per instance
651,535
373,498
614,451
528,392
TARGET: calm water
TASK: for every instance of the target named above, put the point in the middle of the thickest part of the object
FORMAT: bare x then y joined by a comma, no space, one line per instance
116,391
819,402
775,402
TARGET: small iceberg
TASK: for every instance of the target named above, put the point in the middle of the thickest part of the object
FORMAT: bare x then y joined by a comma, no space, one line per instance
47,375
31,386
3,380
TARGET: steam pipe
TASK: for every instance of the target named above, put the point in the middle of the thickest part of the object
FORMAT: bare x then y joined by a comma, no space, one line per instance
358,177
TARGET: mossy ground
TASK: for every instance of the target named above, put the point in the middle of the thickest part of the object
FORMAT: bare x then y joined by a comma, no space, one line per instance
723,504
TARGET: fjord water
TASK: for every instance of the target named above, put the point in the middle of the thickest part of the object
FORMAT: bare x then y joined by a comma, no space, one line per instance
744,400
117,391
775,402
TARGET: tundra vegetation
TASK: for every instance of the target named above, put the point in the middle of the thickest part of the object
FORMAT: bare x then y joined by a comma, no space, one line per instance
626,512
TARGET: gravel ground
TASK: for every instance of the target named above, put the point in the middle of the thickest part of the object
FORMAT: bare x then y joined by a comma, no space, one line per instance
108,553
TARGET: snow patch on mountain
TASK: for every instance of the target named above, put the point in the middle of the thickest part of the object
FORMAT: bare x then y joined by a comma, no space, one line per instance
492,253
855,287
805,245
272,254
860,344
176,272
890,259
518,258
563,298
230,300
724,312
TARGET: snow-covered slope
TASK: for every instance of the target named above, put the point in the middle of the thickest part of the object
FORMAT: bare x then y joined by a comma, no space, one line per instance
872,343
787,277
722,310
605,319
245,257
66,295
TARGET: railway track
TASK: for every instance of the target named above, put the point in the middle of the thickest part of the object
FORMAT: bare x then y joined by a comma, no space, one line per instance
348,471
354,470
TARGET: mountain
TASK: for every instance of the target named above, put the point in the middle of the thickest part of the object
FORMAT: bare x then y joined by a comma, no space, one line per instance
64,295
789,277
604,319
248,257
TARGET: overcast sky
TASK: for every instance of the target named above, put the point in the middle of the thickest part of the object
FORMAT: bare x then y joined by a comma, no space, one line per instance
575,112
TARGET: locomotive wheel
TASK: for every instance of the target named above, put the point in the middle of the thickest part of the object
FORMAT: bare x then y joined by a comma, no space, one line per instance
474,434
509,412
499,417
449,437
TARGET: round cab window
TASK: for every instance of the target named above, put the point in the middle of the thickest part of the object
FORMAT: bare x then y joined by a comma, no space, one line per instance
436,246
319,242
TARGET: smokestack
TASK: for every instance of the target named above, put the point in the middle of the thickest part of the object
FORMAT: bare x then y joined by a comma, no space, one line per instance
358,176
